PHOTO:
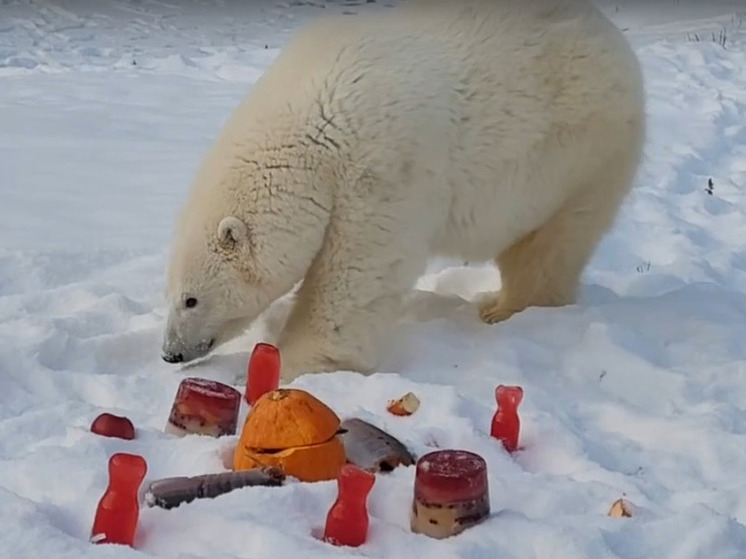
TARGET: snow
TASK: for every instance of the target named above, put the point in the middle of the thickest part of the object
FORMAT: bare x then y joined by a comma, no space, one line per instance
638,390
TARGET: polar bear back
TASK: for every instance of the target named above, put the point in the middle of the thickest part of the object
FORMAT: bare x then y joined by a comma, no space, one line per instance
501,99
496,109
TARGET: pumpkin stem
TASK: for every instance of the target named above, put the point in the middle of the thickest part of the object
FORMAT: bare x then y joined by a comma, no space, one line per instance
278,394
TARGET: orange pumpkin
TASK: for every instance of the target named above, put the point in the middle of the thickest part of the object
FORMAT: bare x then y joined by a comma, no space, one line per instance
292,429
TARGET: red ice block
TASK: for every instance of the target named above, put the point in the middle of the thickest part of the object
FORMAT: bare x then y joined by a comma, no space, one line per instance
506,425
347,519
263,373
204,407
451,493
118,509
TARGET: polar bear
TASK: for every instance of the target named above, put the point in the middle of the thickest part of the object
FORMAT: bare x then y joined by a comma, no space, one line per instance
485,130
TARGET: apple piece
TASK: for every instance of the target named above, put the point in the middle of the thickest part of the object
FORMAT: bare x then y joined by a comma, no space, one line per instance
622,508
406,405
110,425
451,493
204,407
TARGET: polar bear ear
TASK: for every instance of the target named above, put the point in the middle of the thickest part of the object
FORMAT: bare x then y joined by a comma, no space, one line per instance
231,231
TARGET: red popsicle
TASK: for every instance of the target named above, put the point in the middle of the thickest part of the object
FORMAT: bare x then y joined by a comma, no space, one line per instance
204,407
506,424
347,519
263,372
118,509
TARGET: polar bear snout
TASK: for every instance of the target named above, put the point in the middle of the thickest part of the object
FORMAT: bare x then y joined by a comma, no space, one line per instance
169,357
175,350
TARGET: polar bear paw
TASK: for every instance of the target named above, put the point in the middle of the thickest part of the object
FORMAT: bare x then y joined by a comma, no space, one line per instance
492,309
315,356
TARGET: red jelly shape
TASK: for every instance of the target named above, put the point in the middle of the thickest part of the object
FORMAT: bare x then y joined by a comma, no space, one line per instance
204,407
118,509
451,493
506,424
263,373
347,520
110,425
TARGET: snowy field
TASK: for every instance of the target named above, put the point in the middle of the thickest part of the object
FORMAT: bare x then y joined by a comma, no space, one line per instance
106,107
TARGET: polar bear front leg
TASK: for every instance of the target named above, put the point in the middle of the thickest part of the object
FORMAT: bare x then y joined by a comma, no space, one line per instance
347,305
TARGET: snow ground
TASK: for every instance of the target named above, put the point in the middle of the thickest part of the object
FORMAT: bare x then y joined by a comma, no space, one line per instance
640,389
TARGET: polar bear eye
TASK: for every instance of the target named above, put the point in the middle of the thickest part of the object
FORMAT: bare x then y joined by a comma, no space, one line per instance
190,303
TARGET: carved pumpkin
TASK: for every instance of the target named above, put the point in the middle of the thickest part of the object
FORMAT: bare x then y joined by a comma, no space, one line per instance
292,429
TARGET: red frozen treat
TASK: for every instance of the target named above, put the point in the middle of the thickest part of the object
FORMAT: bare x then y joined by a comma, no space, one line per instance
451,493
204,407
347,519
110,425
119,509
506,425
263,373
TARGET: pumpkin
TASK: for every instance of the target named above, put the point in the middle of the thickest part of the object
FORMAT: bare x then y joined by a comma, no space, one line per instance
291,429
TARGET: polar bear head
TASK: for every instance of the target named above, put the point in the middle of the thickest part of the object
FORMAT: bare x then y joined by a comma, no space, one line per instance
212,286
253,221
235,251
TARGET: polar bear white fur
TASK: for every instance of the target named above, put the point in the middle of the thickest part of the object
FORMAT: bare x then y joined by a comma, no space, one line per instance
475,129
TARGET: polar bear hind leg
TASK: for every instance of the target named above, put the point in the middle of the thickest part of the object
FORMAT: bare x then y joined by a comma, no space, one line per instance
543,268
